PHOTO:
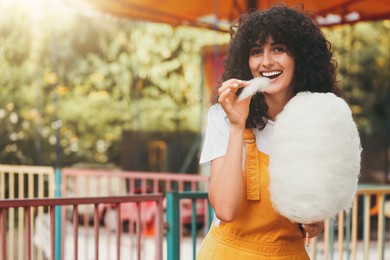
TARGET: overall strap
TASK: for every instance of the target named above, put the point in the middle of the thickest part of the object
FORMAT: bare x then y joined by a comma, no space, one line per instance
251,168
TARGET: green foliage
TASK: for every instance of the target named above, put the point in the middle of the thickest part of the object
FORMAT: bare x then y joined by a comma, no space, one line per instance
86,77
363,55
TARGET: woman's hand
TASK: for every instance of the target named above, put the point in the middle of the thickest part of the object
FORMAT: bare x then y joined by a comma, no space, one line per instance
236,111
313,229
226,183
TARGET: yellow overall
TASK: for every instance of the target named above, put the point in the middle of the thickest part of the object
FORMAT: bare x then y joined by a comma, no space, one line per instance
257,231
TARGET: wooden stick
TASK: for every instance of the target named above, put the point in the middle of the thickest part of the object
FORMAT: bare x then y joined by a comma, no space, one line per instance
307,241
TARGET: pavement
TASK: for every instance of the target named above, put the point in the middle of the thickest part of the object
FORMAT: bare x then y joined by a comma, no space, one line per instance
128,250
107,246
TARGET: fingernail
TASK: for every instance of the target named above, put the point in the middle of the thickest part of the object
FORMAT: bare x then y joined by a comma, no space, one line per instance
235,84
239,81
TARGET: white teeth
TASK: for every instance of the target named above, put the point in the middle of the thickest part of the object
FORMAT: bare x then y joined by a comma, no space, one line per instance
271,73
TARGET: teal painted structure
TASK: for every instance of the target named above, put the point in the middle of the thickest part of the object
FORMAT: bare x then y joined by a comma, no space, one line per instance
173,214
173,220
58,232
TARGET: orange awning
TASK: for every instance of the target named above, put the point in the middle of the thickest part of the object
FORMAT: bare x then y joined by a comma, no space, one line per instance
219,14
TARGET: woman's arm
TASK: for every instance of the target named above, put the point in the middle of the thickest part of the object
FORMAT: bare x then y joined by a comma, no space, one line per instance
226,185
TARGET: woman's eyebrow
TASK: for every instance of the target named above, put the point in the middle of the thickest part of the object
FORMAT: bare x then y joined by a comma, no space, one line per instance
277,43
256,44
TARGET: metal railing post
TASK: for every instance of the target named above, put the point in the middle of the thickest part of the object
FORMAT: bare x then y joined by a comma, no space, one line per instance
173,234
331,238
58,214
193,228
381,227
348,225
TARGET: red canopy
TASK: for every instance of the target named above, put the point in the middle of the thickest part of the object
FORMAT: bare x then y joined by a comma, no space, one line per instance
219,14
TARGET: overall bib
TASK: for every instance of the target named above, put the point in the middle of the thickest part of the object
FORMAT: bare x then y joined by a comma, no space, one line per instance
257,231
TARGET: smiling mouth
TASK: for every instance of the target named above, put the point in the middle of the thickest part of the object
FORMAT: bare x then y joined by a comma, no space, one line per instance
271,74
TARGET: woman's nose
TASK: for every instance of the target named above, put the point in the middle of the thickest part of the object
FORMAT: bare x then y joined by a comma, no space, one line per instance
267,59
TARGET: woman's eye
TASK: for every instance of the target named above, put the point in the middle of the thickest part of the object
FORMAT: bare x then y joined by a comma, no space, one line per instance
279,49
255,51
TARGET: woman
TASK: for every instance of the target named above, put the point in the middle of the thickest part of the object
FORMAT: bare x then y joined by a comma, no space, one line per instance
284,45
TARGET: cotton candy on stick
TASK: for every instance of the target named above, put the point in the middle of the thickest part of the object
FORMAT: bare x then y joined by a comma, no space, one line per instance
259,84
314,158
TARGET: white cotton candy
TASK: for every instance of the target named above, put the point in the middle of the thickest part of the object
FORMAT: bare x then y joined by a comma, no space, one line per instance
314,158
255,85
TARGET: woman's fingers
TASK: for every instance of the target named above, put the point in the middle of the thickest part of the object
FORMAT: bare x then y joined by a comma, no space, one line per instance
237,112
228,89
223,95
233,85
313,229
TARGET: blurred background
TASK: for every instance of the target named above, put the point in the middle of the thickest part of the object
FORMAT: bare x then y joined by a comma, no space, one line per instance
82,83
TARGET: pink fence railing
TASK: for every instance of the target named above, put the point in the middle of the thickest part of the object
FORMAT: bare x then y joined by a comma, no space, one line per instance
24,182
100,182
107,182
89,183
116,201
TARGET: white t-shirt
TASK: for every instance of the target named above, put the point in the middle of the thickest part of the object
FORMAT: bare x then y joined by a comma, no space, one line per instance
217,135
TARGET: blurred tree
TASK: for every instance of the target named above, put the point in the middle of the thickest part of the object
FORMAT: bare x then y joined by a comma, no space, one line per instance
363,55
110,75
16,102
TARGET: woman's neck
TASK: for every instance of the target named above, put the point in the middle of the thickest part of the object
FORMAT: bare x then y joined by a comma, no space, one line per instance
275,105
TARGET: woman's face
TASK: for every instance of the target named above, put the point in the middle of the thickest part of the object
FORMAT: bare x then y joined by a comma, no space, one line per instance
272,61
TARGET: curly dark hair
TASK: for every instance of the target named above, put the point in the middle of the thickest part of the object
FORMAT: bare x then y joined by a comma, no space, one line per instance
315,68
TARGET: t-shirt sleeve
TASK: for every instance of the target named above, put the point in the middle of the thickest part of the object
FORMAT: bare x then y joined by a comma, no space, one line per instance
217,135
